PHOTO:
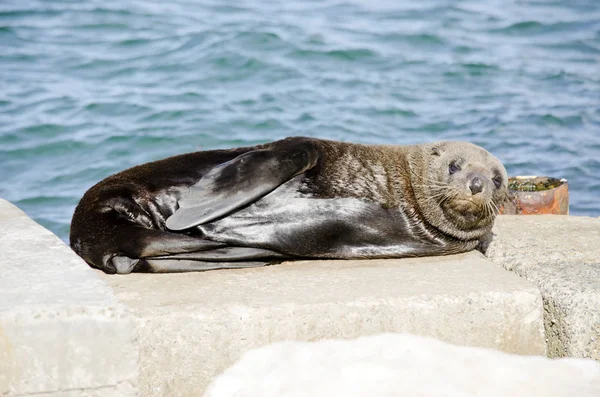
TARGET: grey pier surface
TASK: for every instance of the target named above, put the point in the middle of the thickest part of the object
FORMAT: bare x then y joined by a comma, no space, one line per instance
561,256
69,330
197,324
62,331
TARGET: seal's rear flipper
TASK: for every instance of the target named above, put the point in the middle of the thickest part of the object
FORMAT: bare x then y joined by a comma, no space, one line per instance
157,251
241,181
148,242
180,266
123,250
125,265
221,258
225,254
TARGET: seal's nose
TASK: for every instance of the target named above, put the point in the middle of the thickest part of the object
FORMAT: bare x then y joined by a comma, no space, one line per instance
476,185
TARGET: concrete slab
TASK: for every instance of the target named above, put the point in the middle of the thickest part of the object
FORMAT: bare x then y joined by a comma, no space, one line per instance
392,365
192,326
62,331
561,255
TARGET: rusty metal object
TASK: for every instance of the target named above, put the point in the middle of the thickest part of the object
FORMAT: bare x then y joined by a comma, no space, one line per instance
536,195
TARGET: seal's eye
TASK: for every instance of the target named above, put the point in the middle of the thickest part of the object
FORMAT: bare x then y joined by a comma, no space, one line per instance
497,179
453,168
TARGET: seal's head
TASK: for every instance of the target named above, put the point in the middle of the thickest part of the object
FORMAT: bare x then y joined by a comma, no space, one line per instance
459,187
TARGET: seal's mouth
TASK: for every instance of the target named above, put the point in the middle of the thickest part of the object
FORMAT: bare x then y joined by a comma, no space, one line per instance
467,211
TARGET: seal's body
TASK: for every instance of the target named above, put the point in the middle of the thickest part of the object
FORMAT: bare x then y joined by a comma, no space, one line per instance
298,197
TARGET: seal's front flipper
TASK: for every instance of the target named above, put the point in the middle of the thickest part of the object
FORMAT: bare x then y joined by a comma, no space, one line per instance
241,181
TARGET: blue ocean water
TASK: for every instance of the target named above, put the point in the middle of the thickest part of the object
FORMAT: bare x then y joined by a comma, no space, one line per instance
93,87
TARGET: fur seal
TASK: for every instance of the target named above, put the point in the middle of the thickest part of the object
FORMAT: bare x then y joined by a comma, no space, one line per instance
294,198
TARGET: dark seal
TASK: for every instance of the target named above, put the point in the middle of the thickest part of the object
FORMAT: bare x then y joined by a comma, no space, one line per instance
294,198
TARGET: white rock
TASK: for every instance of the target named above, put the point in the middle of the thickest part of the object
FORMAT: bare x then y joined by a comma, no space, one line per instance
404,365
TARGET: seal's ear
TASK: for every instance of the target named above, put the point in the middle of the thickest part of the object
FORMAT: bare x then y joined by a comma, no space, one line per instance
437,150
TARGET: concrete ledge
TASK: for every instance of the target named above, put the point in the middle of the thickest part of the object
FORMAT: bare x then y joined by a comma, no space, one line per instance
62,332
401,365
561,255
192,326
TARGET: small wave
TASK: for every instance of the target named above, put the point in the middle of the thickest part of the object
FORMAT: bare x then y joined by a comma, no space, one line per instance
101,11
134,42
270,124
167,115
228,8
464,49
46,200
531,28
120,72
561,148
387,112
421,39
81,176
19,58
15,14
44,130
94,64
115,139
440,126
193,41
103,27
472,69
574,172
234,61
305,118
478,66
259,39
522,27
522,166
189,97
551,120
358,54
7,30
55,148
576,46
116,108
